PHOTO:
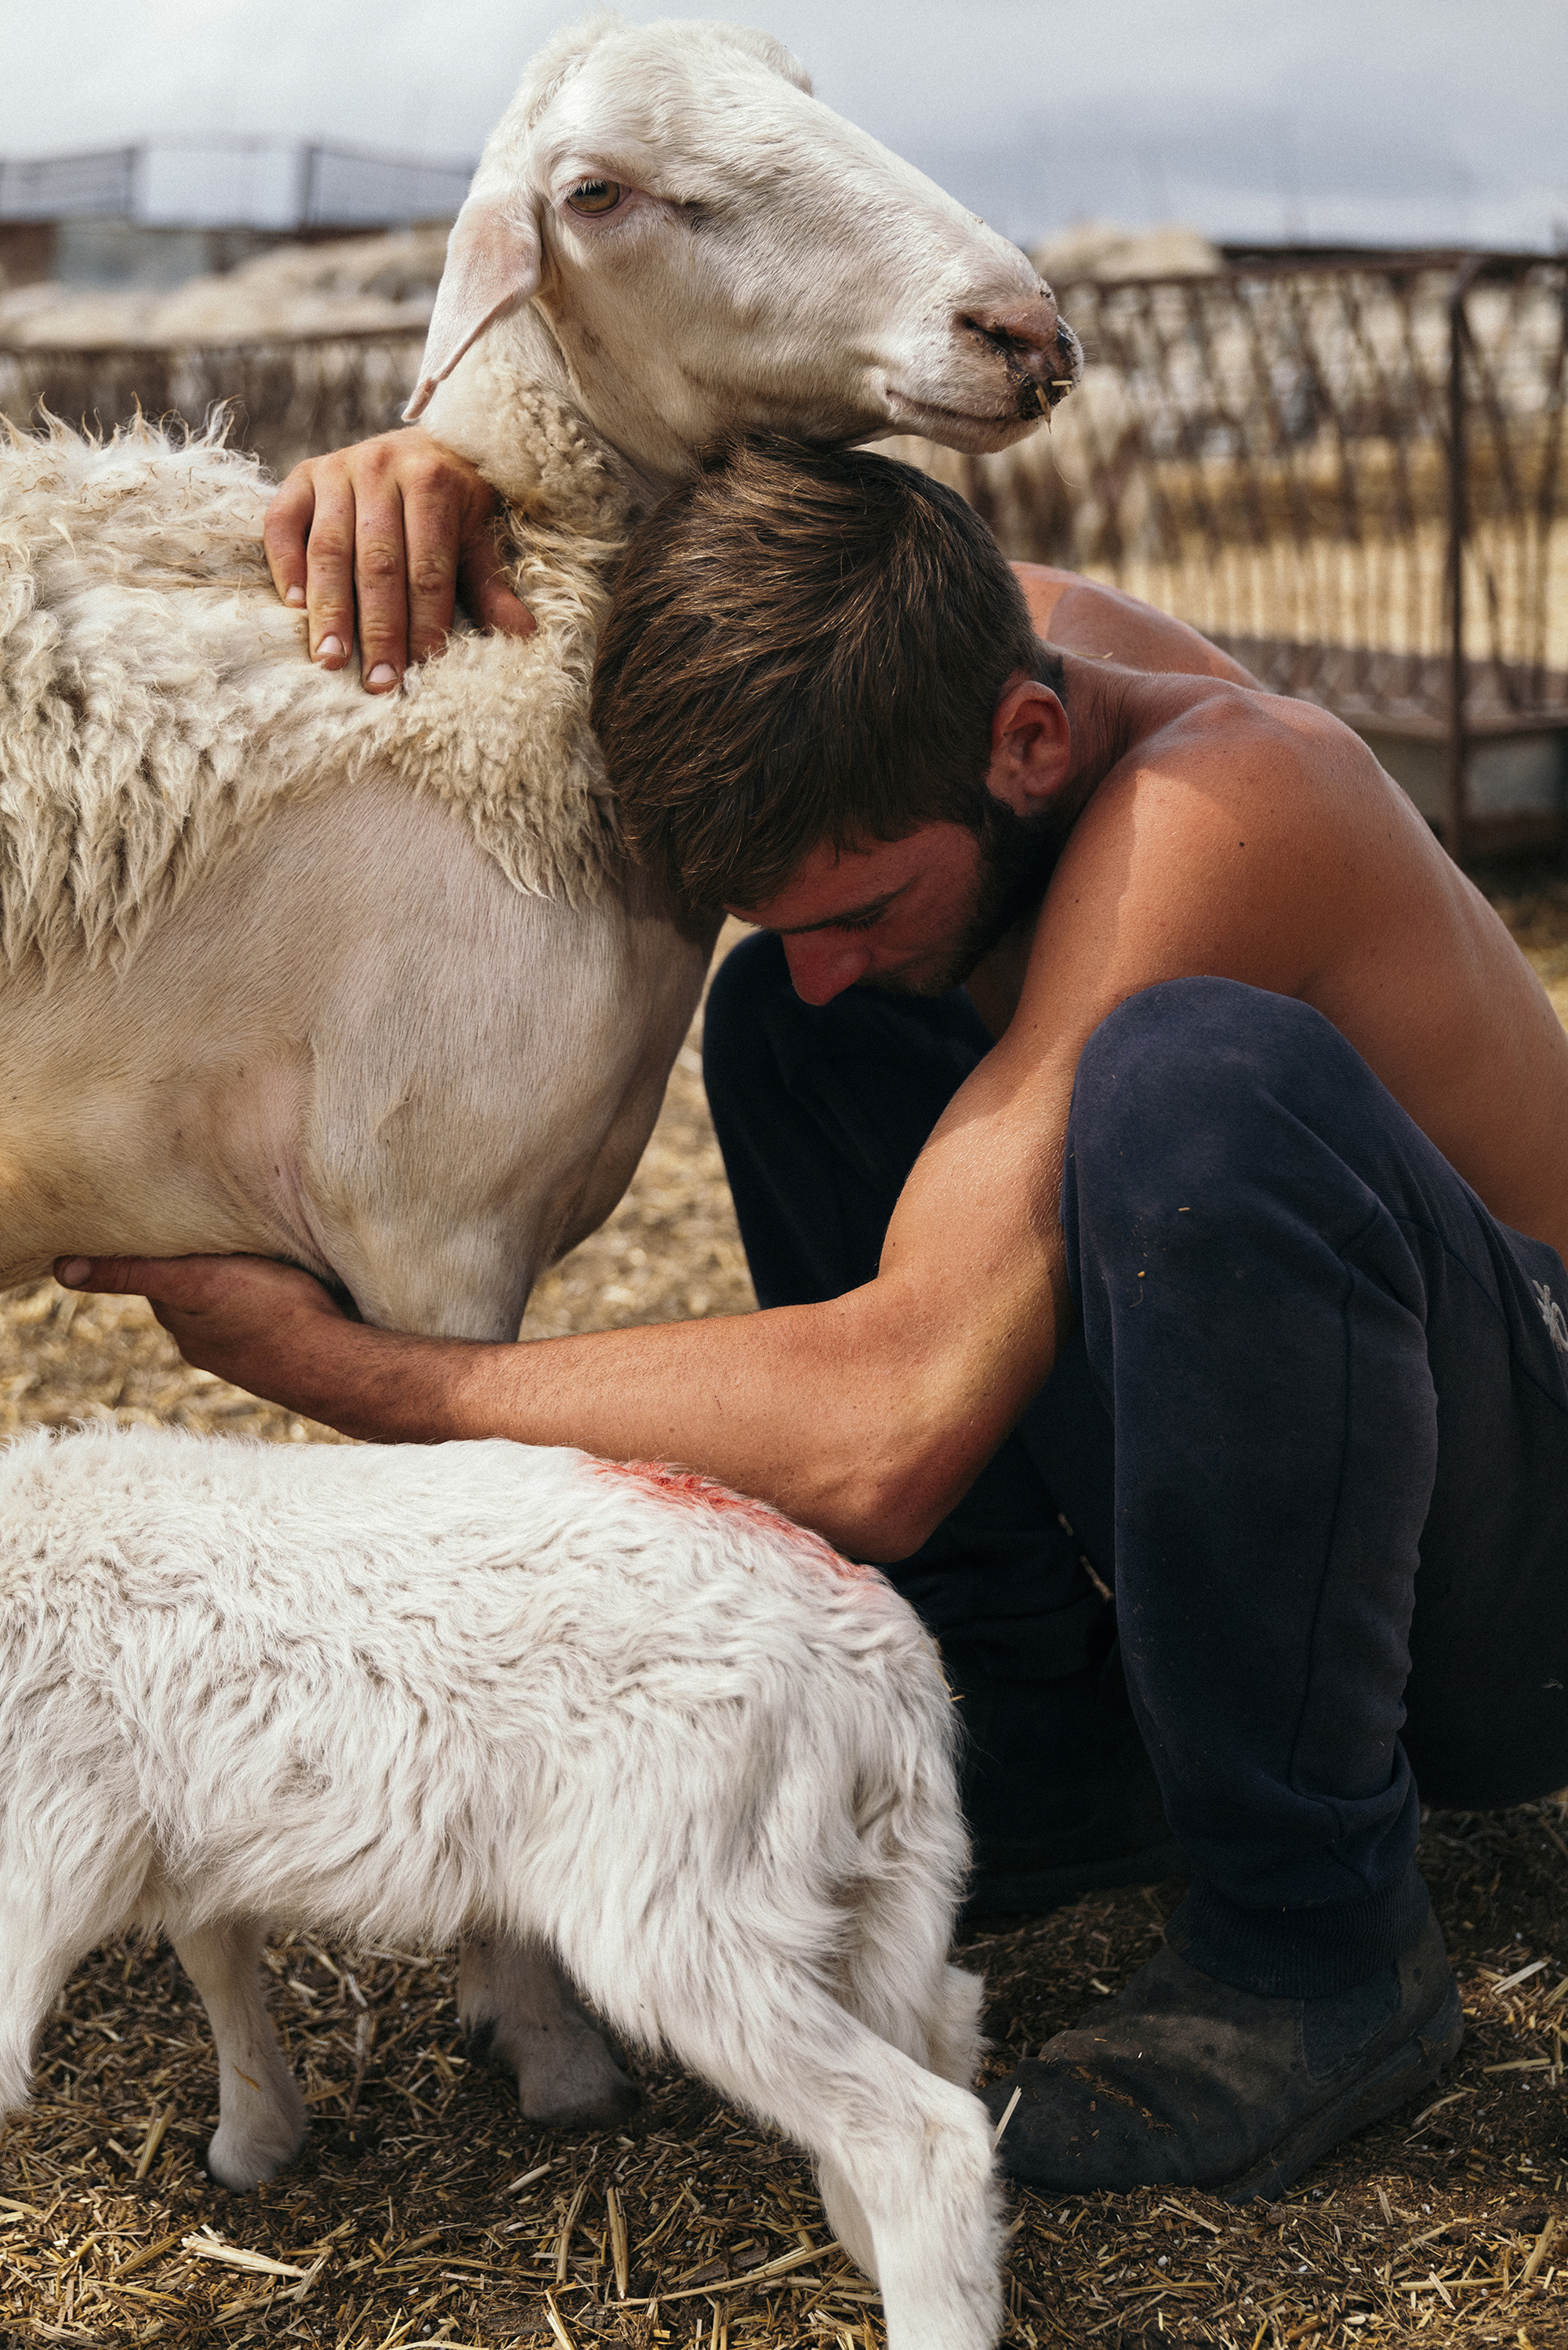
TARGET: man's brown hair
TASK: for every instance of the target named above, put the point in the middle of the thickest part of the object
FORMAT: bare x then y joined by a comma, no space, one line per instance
804,646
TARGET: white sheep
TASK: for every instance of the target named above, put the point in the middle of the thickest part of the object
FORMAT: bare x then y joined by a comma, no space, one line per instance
366,983
618,1716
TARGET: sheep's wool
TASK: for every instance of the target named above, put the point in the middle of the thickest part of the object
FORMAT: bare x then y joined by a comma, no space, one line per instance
156,700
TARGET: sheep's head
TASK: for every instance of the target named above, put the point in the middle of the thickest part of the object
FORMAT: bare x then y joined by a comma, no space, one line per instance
713,249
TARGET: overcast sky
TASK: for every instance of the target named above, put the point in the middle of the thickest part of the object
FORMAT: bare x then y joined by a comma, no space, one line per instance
1380,121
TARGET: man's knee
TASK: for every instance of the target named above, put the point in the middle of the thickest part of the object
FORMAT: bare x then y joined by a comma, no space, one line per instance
1175,1074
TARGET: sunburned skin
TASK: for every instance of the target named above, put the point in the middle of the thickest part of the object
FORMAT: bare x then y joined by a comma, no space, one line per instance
1212,829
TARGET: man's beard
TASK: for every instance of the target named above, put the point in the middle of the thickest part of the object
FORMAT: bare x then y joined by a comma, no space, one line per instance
1018,856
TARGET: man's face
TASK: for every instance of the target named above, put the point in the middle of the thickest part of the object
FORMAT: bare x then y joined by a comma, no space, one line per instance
912,916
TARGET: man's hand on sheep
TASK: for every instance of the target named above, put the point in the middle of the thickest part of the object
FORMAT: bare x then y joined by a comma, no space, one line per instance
401,527
247,1319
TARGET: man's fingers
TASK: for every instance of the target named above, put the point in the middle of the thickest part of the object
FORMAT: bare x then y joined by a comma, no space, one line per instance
113,1273
397,523
284,532
188,1281
199,1286
381,576
434,499
329,581
482,576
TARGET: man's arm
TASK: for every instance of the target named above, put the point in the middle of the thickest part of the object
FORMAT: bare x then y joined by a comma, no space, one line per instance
402,526
867,1416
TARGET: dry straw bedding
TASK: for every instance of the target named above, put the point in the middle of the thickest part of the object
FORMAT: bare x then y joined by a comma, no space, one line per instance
425,2210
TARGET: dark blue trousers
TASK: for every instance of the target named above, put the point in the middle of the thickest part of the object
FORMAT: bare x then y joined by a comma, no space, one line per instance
1313,1429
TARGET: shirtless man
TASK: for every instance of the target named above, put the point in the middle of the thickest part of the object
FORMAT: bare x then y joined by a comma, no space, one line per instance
1160,1138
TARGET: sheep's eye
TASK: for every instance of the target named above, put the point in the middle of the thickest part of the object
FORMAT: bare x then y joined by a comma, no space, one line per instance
595,196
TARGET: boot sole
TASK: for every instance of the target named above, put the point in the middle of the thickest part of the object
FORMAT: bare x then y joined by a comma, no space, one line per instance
1403,2075
1034,1892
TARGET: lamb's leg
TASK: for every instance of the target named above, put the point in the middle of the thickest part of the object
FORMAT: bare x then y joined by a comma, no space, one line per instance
65,1886
516,2011
31,1971
260,2113
904,2157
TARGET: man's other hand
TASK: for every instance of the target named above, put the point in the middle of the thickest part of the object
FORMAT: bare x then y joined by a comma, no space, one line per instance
402,526
244,1318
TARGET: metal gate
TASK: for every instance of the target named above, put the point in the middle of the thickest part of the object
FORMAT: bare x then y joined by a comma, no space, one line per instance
1352,472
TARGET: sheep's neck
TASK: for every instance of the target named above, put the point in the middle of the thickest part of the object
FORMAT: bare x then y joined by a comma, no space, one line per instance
511,407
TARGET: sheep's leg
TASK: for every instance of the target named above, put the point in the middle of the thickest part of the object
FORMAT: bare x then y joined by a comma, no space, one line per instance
260,2113
517,2011
944,2030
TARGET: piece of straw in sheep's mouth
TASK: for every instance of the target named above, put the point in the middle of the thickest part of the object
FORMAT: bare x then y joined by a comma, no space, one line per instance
1034,397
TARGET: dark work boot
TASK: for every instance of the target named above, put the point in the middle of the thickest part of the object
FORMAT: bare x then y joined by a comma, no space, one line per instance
1184,2081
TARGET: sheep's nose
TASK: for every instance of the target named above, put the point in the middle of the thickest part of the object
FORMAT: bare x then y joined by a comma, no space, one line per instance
1036,347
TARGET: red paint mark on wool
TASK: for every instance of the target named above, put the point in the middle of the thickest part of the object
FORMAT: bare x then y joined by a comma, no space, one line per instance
685,1487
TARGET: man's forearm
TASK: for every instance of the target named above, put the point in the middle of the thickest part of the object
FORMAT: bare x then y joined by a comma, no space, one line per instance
798,1406
866,1416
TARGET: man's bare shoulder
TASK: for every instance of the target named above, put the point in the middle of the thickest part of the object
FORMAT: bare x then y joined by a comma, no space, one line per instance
1101,623
1231,832
1223,739
1298,766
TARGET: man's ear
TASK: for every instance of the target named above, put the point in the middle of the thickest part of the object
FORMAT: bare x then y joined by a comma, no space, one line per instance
1031,746
492,262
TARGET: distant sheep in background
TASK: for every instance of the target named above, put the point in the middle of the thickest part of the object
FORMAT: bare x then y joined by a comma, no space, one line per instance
621,1718
355,285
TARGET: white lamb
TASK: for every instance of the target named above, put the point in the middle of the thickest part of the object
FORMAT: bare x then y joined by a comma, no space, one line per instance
616,1714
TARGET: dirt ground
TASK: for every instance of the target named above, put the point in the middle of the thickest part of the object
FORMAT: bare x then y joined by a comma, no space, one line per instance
424,2211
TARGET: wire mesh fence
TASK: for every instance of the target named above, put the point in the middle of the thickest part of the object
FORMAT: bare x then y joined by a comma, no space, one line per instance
287,398
1353,475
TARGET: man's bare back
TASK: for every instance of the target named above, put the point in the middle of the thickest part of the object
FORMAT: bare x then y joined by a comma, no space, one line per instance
1262,832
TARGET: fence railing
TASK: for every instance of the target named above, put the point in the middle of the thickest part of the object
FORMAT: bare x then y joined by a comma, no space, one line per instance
1353,475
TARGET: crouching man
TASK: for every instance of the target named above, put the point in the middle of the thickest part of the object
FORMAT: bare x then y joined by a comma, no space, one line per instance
1151,1153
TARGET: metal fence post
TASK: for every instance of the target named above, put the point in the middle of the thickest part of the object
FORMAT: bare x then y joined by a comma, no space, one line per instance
1457,748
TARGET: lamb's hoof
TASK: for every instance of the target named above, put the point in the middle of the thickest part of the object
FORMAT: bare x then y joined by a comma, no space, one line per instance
239,2164
611,2104
567,2075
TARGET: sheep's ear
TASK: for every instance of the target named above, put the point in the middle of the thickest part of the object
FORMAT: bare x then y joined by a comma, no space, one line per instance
492,261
